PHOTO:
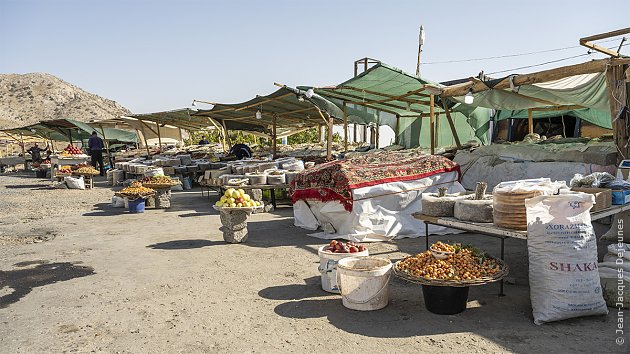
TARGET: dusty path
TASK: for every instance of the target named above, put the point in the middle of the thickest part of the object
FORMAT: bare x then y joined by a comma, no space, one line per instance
164,281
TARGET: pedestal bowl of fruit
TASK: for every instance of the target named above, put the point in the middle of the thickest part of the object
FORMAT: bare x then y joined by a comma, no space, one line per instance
235,206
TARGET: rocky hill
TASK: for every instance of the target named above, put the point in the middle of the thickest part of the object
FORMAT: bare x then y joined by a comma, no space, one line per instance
29,98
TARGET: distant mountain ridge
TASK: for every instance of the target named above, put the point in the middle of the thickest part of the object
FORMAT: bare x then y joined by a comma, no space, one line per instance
29,98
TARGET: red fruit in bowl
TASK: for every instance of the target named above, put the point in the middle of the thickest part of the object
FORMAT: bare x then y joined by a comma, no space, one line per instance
362,248
354,249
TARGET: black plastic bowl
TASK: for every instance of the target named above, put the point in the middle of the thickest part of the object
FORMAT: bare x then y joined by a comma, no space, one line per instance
445,300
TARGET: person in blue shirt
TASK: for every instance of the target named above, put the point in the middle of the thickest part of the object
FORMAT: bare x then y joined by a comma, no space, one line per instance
95,144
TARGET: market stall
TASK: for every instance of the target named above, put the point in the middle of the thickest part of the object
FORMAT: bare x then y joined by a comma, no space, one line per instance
370,197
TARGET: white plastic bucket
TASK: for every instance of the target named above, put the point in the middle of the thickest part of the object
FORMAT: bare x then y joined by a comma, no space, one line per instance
364,282
328,267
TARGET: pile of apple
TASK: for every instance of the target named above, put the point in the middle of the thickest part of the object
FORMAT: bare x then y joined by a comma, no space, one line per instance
236,198
72,150
344,247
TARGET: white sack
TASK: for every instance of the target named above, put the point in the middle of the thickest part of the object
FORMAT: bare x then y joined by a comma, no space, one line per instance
563,275
74,182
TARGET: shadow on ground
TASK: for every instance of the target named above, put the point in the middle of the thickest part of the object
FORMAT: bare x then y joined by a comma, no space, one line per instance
22,281
106,209
184,244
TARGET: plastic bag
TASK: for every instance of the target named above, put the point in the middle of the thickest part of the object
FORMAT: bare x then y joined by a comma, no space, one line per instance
74,182
594,180
563,275
527,185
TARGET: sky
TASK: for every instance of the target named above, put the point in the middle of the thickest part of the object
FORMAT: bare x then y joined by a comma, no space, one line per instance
153,56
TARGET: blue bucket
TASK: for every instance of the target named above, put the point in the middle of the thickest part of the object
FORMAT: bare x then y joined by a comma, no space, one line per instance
136,206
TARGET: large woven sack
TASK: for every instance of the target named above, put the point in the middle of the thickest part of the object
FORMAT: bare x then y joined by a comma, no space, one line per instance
563,276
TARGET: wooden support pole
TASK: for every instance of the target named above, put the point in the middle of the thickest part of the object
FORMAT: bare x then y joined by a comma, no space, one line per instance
227,134
437,129
274,136
159,136
530,120
345,128
329,140
432,123
618,98
109,153
354,126
365,133
23,147
144,138
320,133
397,130
451,123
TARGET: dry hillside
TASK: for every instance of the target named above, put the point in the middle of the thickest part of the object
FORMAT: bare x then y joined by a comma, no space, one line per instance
28,98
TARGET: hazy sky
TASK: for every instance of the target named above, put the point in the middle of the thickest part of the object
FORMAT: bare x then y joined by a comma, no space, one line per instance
160,55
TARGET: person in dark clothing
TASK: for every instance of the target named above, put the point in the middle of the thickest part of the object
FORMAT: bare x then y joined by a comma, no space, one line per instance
203,141
241,151
95,144
35,152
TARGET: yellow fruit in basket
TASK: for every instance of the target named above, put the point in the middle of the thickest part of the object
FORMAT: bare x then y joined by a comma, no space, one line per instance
223,199
246,197
219,204
232,205
241,192
230,200
239,205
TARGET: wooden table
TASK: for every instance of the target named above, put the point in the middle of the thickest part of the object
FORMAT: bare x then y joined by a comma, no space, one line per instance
489,229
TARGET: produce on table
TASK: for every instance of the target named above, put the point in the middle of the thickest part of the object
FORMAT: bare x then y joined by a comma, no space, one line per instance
466,263
442,247
344,247
236,198
81,165
65,170
158,180
71,150
89,170
135,191
46,162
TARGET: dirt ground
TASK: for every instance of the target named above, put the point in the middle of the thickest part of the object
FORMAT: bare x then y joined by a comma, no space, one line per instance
79,276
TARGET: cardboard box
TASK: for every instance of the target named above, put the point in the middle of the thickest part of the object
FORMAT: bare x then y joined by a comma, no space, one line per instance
624,168
621,197
603,197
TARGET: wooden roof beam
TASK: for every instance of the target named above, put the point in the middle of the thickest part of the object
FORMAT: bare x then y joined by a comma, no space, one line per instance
590,67
264,101
361,103
588,41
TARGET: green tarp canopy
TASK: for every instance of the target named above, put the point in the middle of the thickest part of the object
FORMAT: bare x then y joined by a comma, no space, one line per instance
183,118
585,96
292,108
383,92
64,129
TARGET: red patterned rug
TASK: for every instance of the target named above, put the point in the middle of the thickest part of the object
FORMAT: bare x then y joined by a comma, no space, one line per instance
335,180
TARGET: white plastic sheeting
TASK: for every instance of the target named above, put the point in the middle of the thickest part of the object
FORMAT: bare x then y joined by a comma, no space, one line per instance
379,213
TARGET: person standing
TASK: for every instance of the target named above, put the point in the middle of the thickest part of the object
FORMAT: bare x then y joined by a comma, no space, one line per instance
36,153
95,144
